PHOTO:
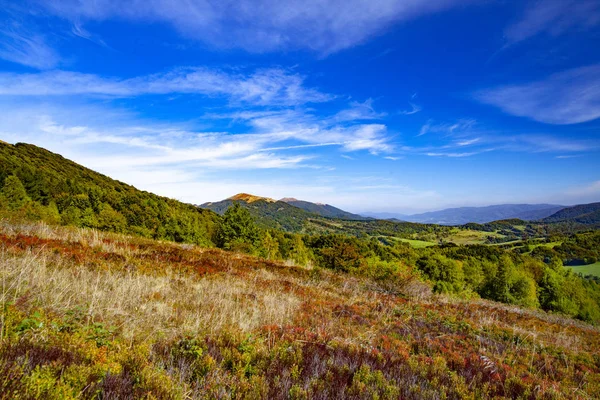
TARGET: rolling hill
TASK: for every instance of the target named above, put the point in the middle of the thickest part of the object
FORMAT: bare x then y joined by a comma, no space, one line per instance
481,215
586,214
78,196
281,215
267,212
324,210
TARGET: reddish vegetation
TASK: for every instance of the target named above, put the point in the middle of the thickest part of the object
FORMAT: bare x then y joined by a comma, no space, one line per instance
346,339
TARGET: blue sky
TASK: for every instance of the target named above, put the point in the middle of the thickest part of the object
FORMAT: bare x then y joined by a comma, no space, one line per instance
377,105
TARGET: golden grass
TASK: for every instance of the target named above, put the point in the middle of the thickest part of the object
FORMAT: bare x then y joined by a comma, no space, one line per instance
144,305
155,297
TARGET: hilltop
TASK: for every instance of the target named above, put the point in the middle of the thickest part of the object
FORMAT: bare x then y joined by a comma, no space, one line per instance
267,212
276,208
249,198
324,210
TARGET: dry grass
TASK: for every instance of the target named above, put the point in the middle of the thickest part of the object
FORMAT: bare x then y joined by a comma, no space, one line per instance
306,324
144,305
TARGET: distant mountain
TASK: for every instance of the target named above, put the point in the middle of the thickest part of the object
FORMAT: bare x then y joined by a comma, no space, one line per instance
324,210
266,211
587,214
287,214
482,215
385,215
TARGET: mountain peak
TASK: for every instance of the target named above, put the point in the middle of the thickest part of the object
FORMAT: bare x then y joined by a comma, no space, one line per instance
288,199
250,198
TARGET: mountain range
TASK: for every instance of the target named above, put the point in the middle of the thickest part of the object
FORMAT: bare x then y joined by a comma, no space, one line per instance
48,178
450,216
294,215
480,215
324,210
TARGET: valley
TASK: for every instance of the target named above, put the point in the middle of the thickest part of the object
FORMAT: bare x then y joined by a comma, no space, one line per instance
112,292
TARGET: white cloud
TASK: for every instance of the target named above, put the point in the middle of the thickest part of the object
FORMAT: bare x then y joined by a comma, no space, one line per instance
453,155
468,142
460,126
554,17
261,25
27,48
262,87
414,108
359,111
568,97
176,161
273,140
309,128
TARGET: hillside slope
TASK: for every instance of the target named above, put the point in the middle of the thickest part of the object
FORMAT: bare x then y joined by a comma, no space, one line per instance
82,197
110,316
587,214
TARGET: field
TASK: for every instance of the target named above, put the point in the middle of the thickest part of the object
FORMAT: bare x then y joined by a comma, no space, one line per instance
418,244
92,315
467,236
590,269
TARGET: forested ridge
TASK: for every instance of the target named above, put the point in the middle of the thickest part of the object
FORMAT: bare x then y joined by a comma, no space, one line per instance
65,192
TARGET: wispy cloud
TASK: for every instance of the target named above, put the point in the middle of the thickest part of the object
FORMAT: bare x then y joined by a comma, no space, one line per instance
359,111
568,156
454,155
262,87
83,33
26,47
554,17
568,97
468,142
261,25
414,108
461,125
536,143
351,135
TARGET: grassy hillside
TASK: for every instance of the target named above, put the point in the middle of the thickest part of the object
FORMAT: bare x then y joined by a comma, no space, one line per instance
92,315
589,269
